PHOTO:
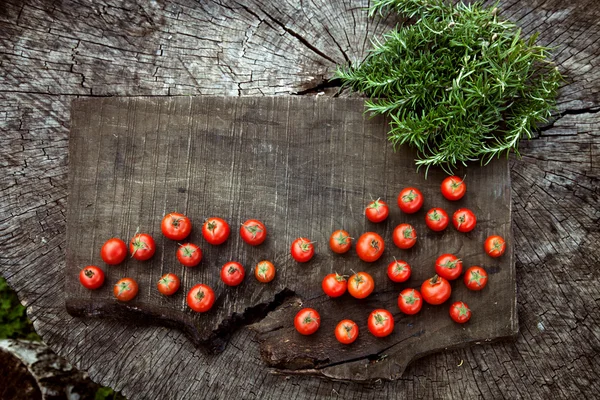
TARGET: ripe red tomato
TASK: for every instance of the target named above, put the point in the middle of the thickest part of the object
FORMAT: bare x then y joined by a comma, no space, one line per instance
377,211
381,323
125,289
494,246
436,290
448,266
113,251
264,271
307,321
176,226
410,200
232,273
189,254
253,232
360,285
369,247
410,301
464,220
334,285
302,250
436,219
346,331
453,188
460,312
340,241
398,271
142,246
168,284
91,277
215,230
476,278
405,236
200,298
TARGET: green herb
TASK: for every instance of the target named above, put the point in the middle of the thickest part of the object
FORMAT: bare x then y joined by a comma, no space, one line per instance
459,84
13,318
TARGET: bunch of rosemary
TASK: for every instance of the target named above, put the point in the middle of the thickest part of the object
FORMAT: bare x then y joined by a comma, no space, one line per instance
459,83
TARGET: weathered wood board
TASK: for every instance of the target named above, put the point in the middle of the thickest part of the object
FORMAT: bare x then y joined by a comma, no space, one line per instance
305,167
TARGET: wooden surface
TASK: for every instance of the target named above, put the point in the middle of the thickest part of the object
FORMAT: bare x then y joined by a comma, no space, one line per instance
54,52
305,167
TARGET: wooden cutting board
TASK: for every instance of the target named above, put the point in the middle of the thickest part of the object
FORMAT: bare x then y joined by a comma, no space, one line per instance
305,167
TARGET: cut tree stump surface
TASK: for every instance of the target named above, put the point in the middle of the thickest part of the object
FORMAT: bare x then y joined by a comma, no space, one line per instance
54,52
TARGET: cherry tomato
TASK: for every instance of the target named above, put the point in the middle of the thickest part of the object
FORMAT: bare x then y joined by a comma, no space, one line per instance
464,220
334,285
410,301
476,278
460,312
346,331
381,323
494,246
436,290
448,266
253,232
264,271
377,211
232,273
91,277
142,247
113,251
453,188
125,289
168,284
307,321
405,236
215,230
410,200
200,298
436,219
176,226
360,285
189,254
302,250
369,247
398,271
340,241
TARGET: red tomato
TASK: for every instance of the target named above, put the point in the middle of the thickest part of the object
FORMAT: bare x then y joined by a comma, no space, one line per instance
176,226
360,285
410,200
113,251
189,254
398,271
232,273
125,289
91,277
340,241
460,312
448,266
307,321
264,271
302,250
334,285
436,290
200,298
464,220
215,230
476,278
381,323
436,219
346,331
453,188
377,211
369,247
410,301
405,236
142,246
494,246
253,232
168,284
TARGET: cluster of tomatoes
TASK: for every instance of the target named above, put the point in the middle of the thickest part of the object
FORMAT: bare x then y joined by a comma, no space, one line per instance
369,248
